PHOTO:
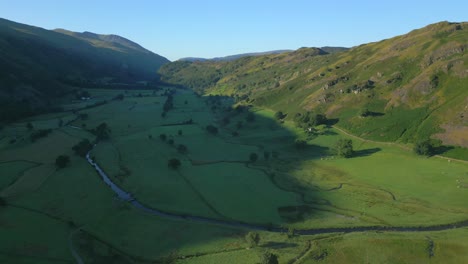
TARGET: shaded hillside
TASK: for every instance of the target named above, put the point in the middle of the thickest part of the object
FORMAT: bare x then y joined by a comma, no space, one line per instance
38,65
404,89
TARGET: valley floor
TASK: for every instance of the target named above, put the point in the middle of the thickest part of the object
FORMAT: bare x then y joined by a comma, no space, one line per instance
247,171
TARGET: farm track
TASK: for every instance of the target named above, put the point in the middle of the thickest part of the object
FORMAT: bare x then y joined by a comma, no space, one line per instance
393,144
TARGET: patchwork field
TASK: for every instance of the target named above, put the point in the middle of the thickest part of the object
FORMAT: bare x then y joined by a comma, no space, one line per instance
247,169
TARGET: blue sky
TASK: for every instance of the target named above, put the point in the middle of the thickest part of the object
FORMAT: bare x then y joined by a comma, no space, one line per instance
206,28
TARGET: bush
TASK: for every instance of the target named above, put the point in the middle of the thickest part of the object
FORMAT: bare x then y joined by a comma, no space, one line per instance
163,137
62,161
344,148
173,163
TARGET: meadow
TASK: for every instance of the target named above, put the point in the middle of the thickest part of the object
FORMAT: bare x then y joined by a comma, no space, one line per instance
250,170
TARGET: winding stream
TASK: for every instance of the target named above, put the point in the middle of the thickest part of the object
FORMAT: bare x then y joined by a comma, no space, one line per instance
126,196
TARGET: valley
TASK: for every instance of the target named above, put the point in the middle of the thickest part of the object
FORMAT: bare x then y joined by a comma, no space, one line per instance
246,175
111,153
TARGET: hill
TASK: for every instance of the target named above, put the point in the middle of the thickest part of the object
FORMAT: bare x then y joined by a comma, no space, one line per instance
253,54
404,89
39,65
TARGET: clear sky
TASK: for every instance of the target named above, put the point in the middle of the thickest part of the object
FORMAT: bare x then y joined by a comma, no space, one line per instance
212,28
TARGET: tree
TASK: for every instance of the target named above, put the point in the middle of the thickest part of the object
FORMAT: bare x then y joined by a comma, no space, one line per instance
179,132
101,132
29,126
62,161
266,155
82,148
170,142
173,163
3,202
252,238
182,149
344,148
163,137
253,157
425,148
269,258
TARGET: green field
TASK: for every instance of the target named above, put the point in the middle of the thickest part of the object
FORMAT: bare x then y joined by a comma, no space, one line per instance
51,211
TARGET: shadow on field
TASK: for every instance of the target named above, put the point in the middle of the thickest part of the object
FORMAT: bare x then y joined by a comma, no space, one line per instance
278,245
439,150
365,152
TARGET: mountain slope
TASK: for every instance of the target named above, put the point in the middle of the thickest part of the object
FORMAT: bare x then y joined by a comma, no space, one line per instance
37,65
404,89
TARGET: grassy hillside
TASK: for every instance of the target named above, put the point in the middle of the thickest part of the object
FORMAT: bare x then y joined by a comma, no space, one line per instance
404,89
38,65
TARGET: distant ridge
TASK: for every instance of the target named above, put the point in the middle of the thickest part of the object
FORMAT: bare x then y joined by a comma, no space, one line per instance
235,57
238,56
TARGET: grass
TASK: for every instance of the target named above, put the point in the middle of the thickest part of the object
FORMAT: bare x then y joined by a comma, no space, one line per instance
384,184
